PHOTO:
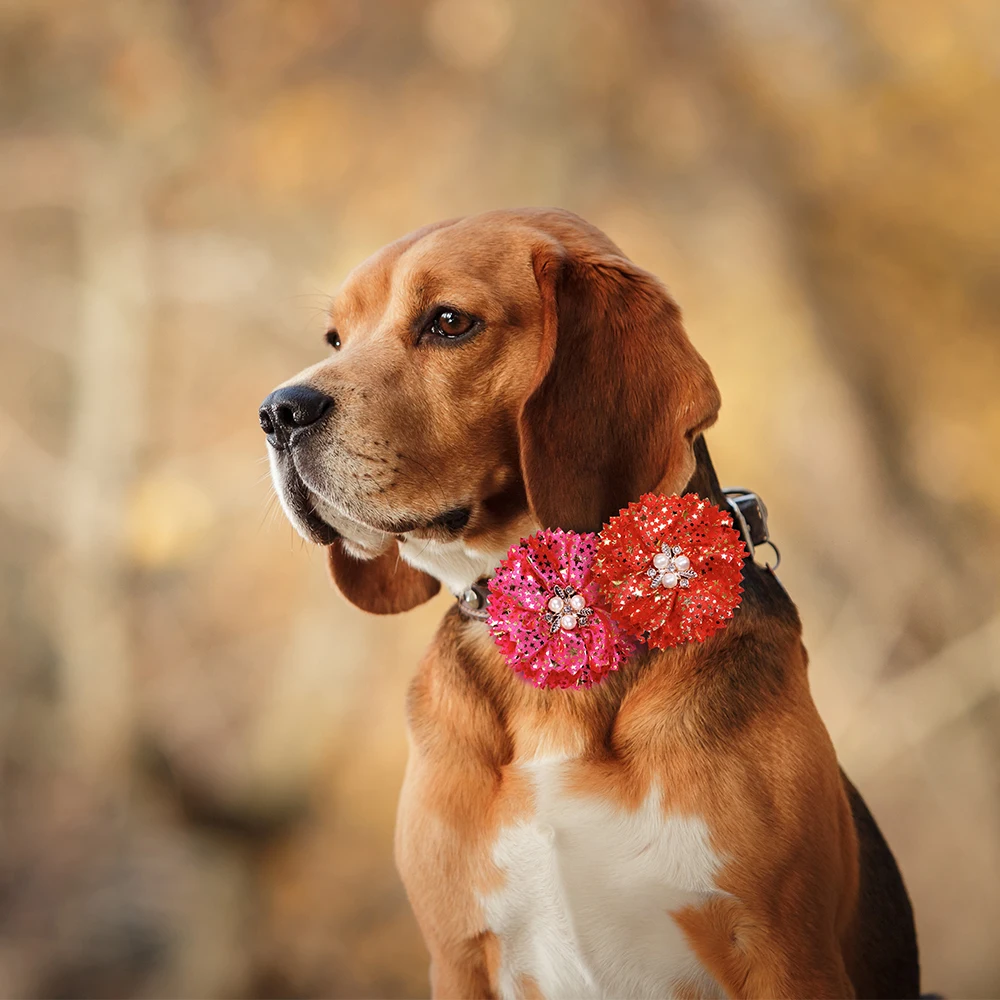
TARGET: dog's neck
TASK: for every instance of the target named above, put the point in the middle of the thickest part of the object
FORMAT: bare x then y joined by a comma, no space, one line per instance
463,568
727,674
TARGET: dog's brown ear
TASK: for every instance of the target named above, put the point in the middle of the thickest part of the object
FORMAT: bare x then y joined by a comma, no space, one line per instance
385,585
620,392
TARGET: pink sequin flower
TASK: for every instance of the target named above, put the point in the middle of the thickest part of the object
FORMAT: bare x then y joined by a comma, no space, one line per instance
546,615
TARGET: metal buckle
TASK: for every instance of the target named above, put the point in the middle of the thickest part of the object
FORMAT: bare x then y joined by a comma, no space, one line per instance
750,515
472,602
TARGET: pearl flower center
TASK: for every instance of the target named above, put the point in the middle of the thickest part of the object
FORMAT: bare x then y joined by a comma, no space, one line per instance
566,609
671,568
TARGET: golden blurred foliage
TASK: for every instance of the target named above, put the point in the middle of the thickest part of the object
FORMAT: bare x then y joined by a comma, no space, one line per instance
201,743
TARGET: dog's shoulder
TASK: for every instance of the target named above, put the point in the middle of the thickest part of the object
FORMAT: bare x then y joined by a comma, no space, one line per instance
451,708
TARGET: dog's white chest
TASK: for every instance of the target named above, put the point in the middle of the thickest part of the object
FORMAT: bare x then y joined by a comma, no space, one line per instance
588,889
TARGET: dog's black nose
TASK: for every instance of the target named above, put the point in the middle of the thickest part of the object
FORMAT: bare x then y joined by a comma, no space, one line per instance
286,412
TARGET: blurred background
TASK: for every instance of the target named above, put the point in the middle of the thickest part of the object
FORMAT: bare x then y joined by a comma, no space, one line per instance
201,743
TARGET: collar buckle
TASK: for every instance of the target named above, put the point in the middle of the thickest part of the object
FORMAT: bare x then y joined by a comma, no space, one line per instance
750,515
472,602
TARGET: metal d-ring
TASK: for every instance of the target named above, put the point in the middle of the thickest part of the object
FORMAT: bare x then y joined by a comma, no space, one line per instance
777,555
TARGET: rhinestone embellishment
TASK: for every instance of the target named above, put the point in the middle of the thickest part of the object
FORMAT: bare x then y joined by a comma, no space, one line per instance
566,609
671,568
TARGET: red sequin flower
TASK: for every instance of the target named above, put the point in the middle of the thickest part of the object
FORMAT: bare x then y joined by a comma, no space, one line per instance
670,568
546,615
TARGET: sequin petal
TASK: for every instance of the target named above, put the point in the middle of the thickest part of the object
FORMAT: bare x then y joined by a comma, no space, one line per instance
519,593
669,616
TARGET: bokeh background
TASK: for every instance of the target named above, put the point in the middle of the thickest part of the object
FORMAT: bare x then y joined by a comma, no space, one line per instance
201,743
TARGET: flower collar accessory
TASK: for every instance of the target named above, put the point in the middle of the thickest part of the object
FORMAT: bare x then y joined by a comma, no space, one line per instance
566,609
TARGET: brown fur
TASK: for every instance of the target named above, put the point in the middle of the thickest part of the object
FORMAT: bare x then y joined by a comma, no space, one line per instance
384,585
590,445
580,393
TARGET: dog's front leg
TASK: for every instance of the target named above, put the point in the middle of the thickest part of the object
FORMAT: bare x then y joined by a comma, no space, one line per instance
446,812
752,955
464,973
438,868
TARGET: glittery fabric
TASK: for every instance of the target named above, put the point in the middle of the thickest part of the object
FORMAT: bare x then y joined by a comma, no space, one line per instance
554,566
659,603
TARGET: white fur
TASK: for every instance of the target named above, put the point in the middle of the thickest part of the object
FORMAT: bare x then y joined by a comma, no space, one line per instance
585,906
453,563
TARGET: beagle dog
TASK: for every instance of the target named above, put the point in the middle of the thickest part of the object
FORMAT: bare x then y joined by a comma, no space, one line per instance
682,829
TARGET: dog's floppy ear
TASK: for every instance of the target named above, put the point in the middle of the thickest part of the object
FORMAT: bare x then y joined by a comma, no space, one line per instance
385,585
620,393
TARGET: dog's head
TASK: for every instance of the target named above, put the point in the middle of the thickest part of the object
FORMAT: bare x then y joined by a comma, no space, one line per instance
488,376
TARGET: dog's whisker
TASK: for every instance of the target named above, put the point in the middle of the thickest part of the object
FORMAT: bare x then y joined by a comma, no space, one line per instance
272,510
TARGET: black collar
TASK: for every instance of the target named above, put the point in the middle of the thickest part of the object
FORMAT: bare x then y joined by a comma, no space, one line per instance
749,518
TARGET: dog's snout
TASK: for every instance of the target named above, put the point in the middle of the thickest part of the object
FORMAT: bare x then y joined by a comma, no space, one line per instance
288,411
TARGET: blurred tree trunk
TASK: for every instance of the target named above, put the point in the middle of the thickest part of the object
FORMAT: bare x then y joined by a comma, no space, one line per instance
106,421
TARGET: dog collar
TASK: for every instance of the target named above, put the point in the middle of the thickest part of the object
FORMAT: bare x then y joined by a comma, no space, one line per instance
749,517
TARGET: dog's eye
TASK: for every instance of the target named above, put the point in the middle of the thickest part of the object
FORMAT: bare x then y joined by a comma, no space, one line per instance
451,323
333,339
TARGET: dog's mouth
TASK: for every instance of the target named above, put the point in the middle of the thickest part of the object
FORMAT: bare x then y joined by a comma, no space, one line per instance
312,513
300,505
451,523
